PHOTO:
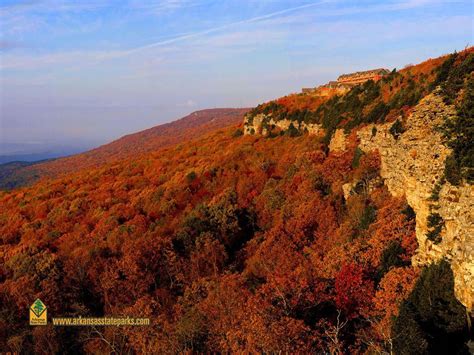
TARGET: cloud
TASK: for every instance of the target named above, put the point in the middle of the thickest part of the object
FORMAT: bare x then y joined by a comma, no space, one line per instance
66,59
188,103
50,16
231,38
275,17
50,6
91,57
7,45
163,6
223,27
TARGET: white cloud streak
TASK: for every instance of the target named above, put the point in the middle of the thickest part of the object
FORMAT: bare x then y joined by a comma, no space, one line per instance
79,58
96,56
223,27
402,5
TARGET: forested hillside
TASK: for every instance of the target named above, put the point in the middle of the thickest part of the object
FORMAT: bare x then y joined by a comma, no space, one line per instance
241,243
386,100
186,128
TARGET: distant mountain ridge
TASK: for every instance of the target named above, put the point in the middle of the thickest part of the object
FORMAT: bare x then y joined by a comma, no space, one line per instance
188,127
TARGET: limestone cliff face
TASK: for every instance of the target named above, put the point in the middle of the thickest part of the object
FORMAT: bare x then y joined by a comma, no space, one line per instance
263,124
412,165
338,141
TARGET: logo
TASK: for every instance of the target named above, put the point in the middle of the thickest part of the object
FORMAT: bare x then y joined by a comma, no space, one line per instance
38,313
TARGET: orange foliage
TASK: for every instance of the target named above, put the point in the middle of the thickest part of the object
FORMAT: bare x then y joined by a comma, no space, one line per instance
226,244
188,127
301,102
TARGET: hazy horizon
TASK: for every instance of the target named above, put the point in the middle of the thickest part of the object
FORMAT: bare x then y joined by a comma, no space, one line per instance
85,74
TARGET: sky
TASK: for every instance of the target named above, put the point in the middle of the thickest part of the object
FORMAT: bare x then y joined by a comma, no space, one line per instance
82,73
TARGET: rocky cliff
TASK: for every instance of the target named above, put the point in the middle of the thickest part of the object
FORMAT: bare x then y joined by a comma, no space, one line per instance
413,157
413,165
264,124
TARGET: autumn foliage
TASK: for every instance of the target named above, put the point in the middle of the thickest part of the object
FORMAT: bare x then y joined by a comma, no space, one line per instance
129,146
227,243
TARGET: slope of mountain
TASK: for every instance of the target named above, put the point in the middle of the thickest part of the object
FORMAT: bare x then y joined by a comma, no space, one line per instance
186,128
276,241
371,102
37,151
15,172
421,121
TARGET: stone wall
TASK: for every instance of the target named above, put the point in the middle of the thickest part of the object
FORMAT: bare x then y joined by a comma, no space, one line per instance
363,76
345,82
412,165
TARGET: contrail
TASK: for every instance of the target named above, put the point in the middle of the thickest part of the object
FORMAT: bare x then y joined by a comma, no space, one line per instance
219,28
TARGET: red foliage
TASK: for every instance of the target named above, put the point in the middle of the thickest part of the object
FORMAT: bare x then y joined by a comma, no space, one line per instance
354,291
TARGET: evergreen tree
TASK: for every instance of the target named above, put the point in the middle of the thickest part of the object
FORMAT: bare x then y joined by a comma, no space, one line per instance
459,133
431,320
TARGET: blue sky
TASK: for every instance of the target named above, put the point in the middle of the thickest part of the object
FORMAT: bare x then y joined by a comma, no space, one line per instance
85,72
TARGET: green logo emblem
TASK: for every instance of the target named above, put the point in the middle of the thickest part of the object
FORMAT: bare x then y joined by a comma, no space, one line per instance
38,307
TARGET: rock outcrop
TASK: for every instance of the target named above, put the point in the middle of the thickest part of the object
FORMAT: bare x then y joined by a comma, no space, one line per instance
338,141
413,165
263,124
345,82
